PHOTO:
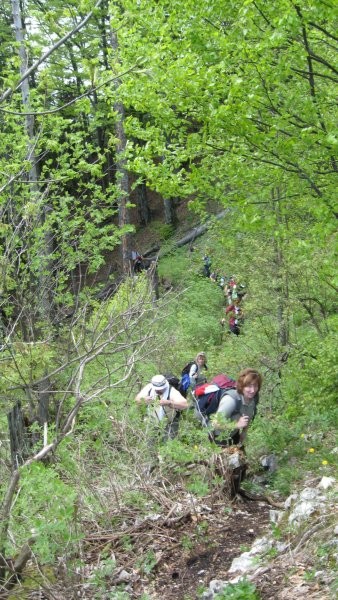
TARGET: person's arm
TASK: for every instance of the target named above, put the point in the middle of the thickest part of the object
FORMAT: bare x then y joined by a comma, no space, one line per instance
175,400
144,394
193,373
227,408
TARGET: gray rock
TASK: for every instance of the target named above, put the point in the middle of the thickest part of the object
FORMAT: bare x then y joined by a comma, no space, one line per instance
326,483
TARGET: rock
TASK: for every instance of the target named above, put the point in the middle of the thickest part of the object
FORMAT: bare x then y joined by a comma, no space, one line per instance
309,494
269,462
248,560
326,482
244,563
290,500
275,516
215,587
302,511
122,577
235,461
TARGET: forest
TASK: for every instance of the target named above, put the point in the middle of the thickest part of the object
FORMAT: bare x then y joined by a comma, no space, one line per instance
139,125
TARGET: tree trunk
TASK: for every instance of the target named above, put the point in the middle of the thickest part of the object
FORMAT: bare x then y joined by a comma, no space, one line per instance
42,288
122,177
169,211
282,279
142,204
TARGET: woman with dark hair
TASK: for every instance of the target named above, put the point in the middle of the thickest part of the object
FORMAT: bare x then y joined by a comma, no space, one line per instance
239,407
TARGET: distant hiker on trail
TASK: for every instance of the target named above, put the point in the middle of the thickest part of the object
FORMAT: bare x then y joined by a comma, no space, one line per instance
241,291
227,293
137,261
234,313
206,265
165,402
221,282
237,407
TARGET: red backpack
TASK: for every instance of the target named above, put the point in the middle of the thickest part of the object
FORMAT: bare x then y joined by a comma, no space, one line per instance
202,388
224,382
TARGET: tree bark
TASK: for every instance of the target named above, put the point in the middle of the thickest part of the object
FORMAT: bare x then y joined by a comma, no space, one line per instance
142,204
122,176
169,211
41,289
282,283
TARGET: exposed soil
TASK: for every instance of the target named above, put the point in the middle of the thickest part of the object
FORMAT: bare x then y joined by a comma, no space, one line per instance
175,555
205,548
214,540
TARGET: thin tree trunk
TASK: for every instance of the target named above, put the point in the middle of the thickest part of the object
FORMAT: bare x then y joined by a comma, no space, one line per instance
169,211
122,176
282,287
43,285
142,204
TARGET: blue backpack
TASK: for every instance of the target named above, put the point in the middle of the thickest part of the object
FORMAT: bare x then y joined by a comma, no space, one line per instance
185,379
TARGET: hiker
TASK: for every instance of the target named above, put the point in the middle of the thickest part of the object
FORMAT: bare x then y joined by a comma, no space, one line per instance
137,261
227,293
165,402
239,405
192,373
195,373
241,291
206,265
234,313
222,281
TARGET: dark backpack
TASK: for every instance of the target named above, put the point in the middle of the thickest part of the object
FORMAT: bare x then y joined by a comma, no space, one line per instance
208,404
186,369
185,379
173,381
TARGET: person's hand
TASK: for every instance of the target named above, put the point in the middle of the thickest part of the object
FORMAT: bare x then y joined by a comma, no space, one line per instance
148,399
243,421
164,402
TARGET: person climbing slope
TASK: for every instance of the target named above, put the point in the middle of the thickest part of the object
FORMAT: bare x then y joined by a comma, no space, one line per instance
165,402
192,373
195,373
238,408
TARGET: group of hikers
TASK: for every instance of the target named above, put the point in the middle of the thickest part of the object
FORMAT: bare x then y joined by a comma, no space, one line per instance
234,293
224,406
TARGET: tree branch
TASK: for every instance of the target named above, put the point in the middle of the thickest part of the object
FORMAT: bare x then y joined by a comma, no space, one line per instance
66,37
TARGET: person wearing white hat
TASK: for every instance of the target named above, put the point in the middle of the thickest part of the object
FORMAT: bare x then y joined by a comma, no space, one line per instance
165,400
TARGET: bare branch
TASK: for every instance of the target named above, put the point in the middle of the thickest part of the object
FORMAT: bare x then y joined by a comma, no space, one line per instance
42,59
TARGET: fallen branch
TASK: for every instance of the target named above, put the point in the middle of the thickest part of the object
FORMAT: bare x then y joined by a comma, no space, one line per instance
261,498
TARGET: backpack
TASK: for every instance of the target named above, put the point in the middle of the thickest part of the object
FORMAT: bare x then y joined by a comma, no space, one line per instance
173,381
224,381
186,369
205,388
208,403
185,379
